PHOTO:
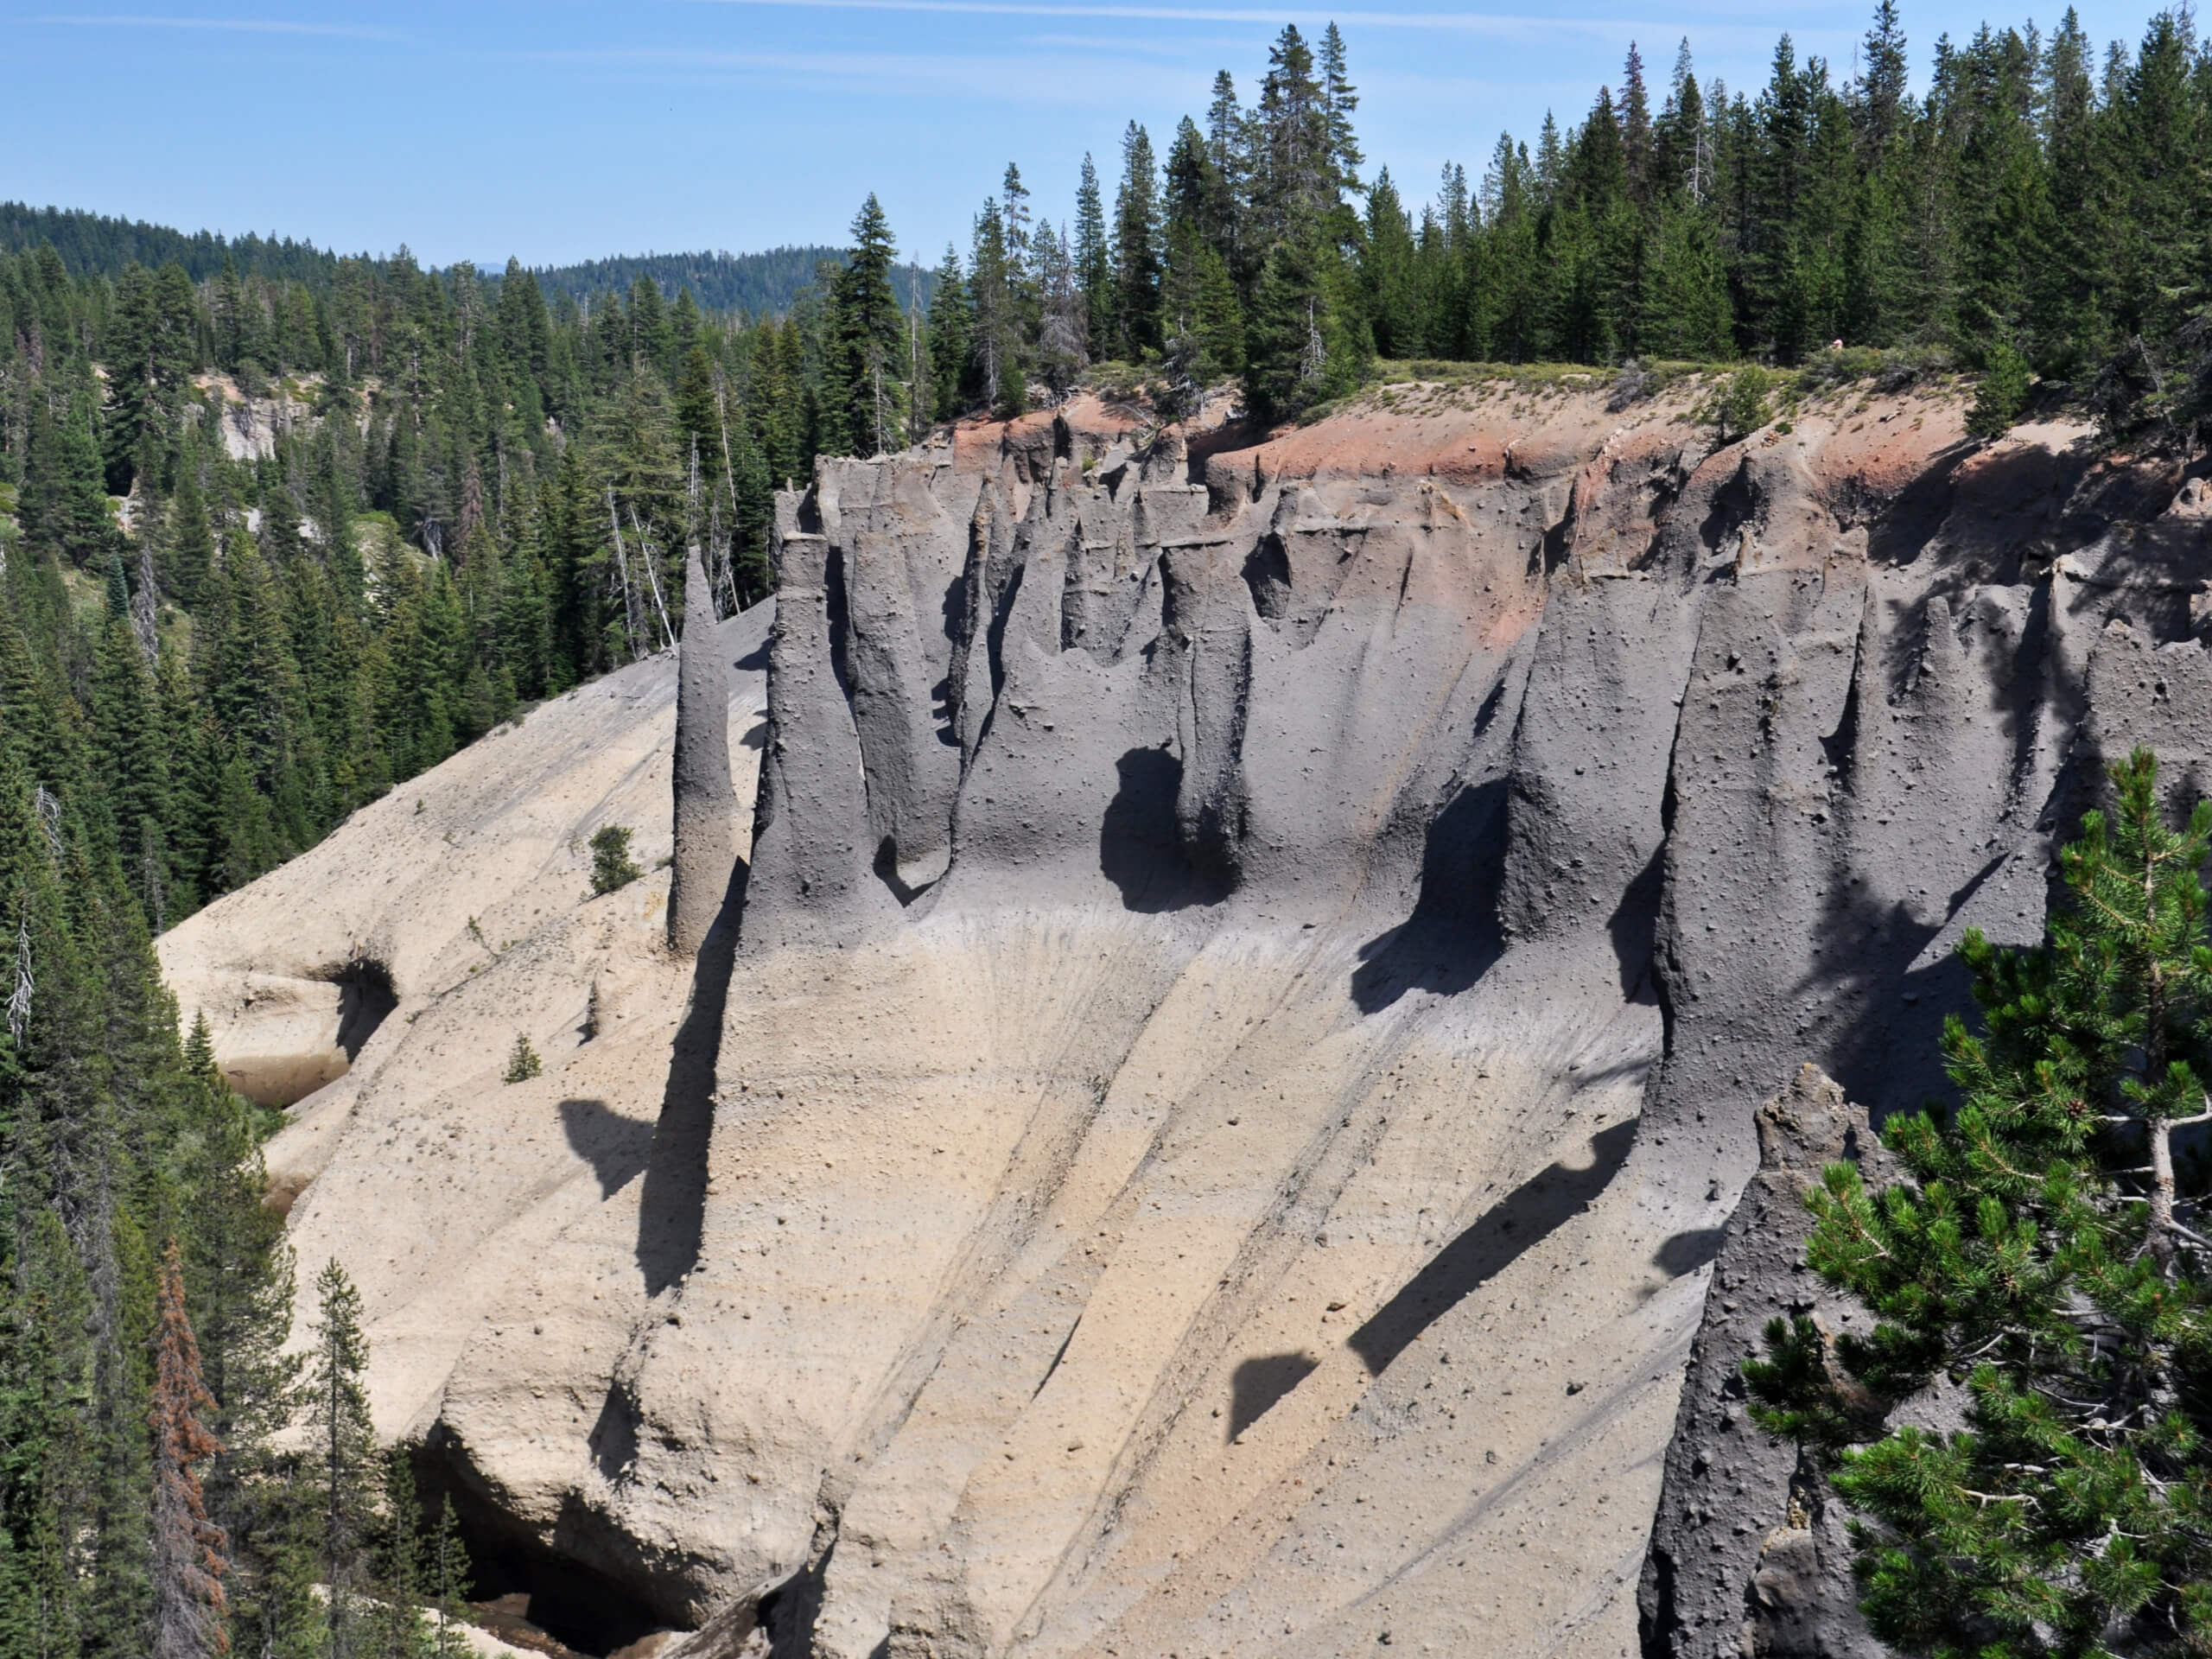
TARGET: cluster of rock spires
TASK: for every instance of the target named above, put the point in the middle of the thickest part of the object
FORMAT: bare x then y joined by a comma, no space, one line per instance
1246,1016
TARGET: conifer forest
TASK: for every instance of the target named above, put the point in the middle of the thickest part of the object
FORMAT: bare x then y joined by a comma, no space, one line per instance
280,530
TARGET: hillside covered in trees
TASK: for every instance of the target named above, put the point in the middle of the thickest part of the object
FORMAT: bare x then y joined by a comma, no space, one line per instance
281,528
96,244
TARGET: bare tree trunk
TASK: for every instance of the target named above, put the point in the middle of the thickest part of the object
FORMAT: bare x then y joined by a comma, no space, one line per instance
653,581
622,561
2159,1132
143,603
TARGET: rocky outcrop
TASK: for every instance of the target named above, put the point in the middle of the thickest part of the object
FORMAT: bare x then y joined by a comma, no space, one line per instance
1750,1557
704,806
1259,964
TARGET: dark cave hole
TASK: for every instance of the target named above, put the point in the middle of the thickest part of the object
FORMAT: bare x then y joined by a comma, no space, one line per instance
366,1000
522,1592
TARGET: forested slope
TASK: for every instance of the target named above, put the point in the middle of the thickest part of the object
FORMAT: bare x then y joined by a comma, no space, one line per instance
97,245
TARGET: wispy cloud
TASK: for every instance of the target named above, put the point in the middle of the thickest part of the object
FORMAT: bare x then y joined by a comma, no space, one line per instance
1179,45
232,25
1046,77
1501,24
1496,25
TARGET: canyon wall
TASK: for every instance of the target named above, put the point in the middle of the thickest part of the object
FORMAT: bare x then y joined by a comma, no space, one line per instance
1205,1124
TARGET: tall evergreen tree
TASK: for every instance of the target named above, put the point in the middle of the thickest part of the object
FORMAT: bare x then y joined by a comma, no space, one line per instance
188,1560
865,366
1136,248
1093,256
952,327
63,503
343,1458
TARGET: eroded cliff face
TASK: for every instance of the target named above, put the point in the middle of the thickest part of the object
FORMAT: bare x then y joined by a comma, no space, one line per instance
1257,968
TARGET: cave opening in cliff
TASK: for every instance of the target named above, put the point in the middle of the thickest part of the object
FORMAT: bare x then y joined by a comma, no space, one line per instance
530,1596
320,1023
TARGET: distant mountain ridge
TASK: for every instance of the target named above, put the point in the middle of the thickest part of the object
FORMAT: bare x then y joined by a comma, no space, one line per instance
92,244
751,283
96,244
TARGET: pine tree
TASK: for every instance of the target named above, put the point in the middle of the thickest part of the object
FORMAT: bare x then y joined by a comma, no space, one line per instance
1137,249
951,326
446,1561
1389,273
1229,147
994,345
1294,166
1338,100
188,1561
1879,101
865,356
1062,336
188,568
64,502
1635,125
343,1455
131,764
1302,344
649,338
1093,255
401,1569
612,867
2039,1252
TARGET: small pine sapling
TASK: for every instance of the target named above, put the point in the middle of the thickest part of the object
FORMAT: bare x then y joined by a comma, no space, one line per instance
2002,395
446,1562
611,868
340,1446
523,1063
1740,408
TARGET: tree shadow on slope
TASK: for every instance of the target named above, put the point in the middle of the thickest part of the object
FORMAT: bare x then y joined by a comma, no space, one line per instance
1633,925
1878,1031
671,1212
1258,1384
1452,937
1139,846
615,1147
1523,1218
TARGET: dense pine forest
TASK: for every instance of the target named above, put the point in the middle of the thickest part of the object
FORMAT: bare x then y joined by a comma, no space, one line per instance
97,244
281,528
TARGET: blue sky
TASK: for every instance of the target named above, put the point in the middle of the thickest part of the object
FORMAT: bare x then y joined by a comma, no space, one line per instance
558,129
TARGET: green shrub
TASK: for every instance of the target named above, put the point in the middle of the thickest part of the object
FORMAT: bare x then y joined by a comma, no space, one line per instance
1739,408
2004,394
610,860
523,1063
